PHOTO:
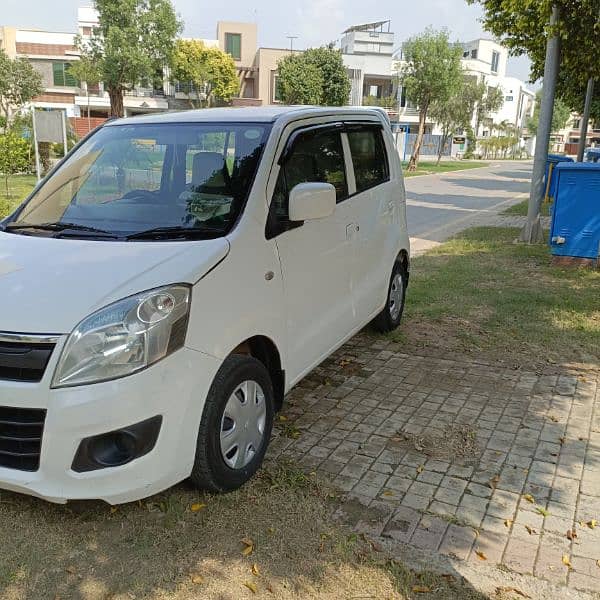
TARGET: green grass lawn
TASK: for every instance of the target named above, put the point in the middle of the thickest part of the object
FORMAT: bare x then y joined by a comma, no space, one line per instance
520,209
430,167
483,295
19,186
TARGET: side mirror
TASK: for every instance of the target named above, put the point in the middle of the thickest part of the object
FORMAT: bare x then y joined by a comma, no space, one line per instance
311,201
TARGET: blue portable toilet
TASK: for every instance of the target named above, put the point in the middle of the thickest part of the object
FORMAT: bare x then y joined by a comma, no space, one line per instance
575,229
549,179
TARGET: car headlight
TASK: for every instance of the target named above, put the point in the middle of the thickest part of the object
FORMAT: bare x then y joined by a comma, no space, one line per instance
125,337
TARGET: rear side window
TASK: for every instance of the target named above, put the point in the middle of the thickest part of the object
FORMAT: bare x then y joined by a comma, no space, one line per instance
369,157
317,156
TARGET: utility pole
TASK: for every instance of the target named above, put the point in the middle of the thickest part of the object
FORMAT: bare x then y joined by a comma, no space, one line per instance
532,231
291,38
589,95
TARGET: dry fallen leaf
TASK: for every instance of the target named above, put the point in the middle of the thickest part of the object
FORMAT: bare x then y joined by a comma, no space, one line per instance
553,418
113,510
255,570
421,589
598,563
562,440
507,522
481,555
72,570
571,534
566,561
251,586
494,481
529,498
508,590
530,531
197,506
420,469
592,524
248,546
542,511
388,493
197,579
283,418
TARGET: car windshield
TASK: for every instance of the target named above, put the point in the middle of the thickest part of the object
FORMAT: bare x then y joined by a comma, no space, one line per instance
164,180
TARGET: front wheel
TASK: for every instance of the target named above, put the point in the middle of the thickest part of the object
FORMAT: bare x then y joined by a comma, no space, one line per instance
389,318
236,425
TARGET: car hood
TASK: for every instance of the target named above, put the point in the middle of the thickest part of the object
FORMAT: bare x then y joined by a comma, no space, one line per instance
49,285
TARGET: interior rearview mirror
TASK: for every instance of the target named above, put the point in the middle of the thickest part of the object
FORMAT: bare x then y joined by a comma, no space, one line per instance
311,200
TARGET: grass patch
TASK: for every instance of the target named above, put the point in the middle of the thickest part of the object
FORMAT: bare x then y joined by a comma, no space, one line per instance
183,544
520,209
430,167
482,294
19,186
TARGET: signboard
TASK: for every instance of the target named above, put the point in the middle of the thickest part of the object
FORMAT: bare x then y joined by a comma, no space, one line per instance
459,139
49,125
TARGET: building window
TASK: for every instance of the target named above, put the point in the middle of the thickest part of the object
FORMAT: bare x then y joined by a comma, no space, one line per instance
509,98
495,61
61,75
466,54
474,54
577,124
233,45
276,87
86,31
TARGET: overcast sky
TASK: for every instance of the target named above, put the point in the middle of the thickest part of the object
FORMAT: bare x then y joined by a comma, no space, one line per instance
314,21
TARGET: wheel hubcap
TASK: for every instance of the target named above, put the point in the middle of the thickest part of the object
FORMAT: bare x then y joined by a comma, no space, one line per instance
243,425
396,296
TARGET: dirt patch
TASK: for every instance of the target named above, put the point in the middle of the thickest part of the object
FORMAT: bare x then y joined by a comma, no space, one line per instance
457,444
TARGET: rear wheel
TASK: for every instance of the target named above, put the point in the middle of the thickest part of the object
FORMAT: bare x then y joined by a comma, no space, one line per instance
236,425
389,318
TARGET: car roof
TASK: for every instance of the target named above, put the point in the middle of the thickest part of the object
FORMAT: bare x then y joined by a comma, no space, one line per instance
251,114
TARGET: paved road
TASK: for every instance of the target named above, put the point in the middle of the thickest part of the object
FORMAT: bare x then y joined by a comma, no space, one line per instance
439,206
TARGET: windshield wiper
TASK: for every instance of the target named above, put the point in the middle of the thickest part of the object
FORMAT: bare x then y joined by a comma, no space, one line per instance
178,231
58,226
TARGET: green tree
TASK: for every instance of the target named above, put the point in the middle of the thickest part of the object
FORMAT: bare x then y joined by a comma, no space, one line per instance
431,73
522,26
299,82
19,83
86,70
336,83
133,43
14,156
490,100
560,116
210,72
456,112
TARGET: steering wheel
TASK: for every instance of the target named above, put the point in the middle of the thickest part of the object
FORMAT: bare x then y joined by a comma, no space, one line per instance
141,195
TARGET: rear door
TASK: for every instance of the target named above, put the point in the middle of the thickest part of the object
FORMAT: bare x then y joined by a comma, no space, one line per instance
375,211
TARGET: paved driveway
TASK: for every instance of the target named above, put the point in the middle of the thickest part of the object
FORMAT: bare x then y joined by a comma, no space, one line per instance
439,206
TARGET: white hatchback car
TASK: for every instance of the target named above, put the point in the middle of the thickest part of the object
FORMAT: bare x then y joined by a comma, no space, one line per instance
174,277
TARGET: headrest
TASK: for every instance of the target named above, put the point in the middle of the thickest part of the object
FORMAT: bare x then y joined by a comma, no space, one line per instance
208,170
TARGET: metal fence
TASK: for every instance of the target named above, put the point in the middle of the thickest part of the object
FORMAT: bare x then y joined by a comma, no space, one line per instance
429,147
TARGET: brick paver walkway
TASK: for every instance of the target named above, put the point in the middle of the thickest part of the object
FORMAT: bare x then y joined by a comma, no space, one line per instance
457,457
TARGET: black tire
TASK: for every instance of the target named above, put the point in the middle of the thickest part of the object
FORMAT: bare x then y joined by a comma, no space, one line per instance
385,322
210,471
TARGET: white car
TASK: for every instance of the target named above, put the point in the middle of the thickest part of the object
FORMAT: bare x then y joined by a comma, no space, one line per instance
174,277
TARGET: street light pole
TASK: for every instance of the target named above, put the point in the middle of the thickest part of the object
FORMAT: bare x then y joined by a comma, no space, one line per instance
532,231
292,38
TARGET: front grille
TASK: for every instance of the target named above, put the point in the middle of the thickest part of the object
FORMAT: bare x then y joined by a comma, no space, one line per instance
23,361
21,437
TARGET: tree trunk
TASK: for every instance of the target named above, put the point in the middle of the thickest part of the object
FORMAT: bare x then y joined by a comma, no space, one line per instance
414,159
116,101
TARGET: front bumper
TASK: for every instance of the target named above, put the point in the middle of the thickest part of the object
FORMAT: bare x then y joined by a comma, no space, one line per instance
174,388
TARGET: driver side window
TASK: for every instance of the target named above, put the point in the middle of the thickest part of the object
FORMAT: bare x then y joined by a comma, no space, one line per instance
317,156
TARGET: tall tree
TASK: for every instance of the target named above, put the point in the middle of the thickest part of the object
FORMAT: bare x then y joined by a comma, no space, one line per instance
85,70
336,83
431,72
522,26
19,83
560,116
133,43
456,112
299,82
210,72
490,101
317,76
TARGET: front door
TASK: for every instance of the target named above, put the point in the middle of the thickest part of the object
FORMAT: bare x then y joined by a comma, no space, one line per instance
316,255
